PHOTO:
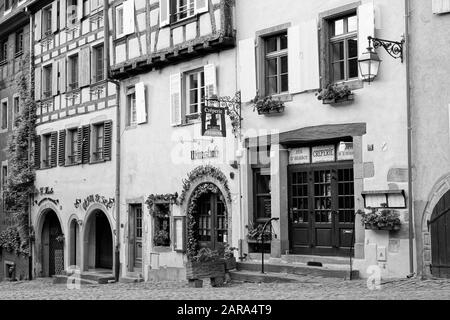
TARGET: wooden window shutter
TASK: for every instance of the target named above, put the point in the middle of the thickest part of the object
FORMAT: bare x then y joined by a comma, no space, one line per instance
175,99
164,13
62,75
210,80
441,6
80,9
366,26
38,25
37,152
80,145
54,78
54,147
54,16
37,83
62,148
108,141
201,6
86,144
303,57
128,17
84,67
62,14
141,108
247,69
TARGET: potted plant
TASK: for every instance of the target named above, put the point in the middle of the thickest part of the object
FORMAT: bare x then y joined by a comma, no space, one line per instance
384,219
334,93
267,105
228,255
206,263
161,238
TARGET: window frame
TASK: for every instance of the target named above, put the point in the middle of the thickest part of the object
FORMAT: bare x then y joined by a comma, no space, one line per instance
19,42
157,224
47,81
46,153
47,21
130,105
73,85
256,171
16,113
200,72
99,74
119,26
4,176
278,55
174,7
4,105
98,153
3,51
344,38
72,146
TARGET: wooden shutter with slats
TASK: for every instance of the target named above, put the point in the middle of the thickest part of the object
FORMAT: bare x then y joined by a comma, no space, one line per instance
37,152
62,148
37,83
62,14
247,69
107,151
175,99
84,62
38,25
141,110
54,78
62,75
54,148
128,17
54,16
79,145
86,148
164,13
210,80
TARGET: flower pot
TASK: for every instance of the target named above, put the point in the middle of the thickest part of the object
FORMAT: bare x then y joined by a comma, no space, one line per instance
276,110
209,269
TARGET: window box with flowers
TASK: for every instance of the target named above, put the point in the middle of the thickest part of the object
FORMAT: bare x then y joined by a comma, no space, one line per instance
267,105
335,94
383,219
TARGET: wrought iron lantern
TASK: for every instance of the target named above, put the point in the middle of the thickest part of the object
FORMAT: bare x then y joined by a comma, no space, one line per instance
369,62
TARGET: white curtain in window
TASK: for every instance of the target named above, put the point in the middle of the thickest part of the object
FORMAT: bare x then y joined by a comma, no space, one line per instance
128,17
141,110
247,69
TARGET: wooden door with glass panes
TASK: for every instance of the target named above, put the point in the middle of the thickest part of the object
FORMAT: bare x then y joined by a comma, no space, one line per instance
212,222
321,209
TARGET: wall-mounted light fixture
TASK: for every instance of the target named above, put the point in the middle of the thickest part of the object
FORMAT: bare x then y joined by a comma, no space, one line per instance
369,62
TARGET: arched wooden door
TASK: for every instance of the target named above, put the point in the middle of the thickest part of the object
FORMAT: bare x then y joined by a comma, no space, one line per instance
212,221
440,238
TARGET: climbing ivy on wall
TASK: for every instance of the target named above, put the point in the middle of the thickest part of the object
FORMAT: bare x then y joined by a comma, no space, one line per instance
21,173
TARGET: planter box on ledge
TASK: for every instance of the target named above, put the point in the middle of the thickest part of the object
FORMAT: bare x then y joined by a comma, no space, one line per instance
375,227
274,111
348,98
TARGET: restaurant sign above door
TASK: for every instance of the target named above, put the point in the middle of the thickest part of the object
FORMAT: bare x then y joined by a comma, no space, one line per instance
321,154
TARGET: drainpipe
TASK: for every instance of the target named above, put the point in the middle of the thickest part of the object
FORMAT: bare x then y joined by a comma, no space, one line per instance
117,187
409,132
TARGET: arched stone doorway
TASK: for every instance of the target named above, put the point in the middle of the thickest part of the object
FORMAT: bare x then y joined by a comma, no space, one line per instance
98,242
440,238
74,243
52,245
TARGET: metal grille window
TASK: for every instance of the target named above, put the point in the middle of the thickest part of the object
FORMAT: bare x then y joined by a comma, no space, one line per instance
3,50
344,48
195,91
19,42
276,64
183,9
98,62
73,72
73,146
99,136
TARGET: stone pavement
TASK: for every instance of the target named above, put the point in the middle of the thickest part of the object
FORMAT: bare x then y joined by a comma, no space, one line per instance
309,289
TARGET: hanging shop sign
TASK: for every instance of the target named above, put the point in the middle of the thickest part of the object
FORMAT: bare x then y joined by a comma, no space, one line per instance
324,154
107,202
213,122
207,154
346,152
300,156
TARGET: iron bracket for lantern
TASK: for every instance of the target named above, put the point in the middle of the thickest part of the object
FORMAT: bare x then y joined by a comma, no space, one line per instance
232,105
394,48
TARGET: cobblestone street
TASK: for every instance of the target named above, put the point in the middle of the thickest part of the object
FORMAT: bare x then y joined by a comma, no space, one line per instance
310,289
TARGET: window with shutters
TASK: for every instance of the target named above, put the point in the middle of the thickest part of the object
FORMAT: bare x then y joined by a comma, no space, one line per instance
119,21
4,114
3,51
98,63
344,48
16,109
47,21
131,107
72,73
47,81
195,92
46,151
276,64
72,146
19,42
99,142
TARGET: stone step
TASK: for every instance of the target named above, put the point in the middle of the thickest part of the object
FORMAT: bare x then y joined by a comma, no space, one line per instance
130,280
258,277
100,278
334,271
324,260
64,279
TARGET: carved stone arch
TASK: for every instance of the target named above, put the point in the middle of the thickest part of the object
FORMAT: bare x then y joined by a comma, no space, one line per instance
437,192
